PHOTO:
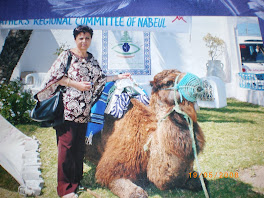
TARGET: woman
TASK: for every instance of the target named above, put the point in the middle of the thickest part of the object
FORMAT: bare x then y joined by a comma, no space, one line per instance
84,83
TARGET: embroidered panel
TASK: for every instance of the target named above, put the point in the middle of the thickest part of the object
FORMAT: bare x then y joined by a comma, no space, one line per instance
126,51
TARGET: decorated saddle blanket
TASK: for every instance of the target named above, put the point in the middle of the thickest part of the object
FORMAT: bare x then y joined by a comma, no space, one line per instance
122,101
114,100
96,122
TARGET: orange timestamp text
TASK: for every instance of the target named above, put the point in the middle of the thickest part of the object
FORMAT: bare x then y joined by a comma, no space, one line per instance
214,175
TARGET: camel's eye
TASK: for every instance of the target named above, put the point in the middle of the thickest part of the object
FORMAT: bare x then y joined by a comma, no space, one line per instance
169,83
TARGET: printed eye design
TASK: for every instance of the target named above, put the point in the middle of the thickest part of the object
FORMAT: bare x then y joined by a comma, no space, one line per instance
126,49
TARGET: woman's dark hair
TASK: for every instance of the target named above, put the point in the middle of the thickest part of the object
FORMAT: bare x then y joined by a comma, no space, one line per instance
83,29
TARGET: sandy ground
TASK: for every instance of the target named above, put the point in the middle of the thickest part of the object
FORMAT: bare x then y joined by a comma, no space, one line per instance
253,176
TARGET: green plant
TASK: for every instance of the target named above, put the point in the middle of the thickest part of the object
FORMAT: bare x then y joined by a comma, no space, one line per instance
214,44
15,103
61,49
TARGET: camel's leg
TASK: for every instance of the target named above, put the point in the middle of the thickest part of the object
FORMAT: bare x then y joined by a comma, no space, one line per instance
124,188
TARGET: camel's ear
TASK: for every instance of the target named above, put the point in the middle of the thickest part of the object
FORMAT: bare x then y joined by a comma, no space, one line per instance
154,86
151,83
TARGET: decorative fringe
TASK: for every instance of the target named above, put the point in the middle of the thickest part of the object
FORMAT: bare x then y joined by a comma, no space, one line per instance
20,156
146,146
110,93
89,140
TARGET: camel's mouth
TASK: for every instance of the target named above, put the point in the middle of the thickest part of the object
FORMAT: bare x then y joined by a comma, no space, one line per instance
189,87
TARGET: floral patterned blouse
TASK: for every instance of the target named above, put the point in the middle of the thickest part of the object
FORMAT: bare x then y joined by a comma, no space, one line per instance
77,104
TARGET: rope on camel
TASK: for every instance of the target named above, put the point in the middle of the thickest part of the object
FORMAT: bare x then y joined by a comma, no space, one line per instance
189,87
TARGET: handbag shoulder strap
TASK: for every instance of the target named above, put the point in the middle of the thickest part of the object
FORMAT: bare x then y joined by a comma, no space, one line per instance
68,62
60,87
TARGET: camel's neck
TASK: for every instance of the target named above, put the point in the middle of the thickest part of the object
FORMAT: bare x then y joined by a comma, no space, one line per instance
172,131
160,109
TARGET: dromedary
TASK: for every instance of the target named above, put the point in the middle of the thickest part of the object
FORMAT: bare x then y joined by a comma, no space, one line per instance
145,145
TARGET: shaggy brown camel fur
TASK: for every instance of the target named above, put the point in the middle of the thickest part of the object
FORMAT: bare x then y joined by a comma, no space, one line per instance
119,151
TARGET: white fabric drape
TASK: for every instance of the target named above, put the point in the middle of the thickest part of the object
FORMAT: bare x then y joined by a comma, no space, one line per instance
19,155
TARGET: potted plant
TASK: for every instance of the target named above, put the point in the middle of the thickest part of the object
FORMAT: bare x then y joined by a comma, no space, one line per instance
216,46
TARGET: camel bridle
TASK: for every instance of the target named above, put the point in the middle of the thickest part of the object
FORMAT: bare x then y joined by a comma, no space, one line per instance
189,87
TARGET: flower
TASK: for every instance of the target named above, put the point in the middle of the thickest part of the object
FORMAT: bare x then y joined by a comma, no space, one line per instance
214,44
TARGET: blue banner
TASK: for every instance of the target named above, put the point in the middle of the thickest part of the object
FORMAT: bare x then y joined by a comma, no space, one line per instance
177,24
23,10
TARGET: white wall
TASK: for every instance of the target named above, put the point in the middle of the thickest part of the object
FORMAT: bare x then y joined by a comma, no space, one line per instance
200,28
186,52
39,53
167,50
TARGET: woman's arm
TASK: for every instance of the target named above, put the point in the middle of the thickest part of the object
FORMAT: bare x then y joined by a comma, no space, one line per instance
81,86
85,86
118,77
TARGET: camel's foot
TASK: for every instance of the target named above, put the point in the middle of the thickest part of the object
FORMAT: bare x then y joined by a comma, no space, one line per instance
194,184
124,188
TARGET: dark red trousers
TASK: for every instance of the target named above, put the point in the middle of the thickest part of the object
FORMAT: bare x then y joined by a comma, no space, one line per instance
71,149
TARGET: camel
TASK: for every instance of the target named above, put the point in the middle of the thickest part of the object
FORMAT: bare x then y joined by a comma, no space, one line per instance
147,146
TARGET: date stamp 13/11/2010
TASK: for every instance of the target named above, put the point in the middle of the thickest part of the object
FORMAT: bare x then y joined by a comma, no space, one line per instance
214,175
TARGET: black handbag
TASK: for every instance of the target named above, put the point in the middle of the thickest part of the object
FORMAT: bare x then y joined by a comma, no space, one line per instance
50,112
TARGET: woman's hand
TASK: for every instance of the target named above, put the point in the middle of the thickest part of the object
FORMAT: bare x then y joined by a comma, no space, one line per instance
118,77
123,76
83,86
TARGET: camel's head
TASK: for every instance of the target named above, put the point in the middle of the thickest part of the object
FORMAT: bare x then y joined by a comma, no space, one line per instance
167,92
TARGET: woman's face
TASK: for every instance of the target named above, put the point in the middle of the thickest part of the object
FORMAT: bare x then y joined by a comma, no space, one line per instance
83,41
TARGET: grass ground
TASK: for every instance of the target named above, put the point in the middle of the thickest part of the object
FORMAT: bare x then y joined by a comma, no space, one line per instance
234,141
